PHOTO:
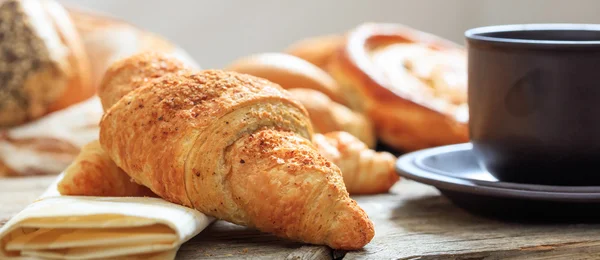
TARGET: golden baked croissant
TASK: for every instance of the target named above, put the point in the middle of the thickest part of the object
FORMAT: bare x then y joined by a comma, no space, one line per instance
93,173
289,72
365,171
327,116
317,50
410,83
235,147
43,64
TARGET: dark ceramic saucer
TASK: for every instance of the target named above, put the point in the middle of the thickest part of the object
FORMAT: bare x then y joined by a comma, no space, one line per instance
455,171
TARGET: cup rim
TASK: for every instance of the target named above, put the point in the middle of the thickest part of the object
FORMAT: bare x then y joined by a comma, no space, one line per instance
475,34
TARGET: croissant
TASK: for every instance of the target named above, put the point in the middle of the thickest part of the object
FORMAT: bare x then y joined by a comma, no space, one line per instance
365,171
410,83
327,116
42,62
93,173
235,147
317,50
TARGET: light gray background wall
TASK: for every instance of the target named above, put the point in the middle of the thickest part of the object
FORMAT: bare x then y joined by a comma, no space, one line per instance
217,32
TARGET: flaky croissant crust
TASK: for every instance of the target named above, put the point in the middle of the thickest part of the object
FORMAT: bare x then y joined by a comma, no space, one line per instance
93,173
365,171
235,147
176,113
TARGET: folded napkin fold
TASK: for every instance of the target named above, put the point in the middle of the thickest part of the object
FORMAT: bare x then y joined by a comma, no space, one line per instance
86,227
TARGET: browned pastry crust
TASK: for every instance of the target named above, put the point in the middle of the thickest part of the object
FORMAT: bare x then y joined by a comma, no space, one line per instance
42,65
365,171
327,116
313,87
93,173
235,147
289,72
317,50
401,78
134,73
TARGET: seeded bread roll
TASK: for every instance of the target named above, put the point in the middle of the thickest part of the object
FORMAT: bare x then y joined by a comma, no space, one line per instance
43,67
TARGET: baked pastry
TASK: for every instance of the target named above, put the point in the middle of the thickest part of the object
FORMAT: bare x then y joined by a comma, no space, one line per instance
317,50
132,75
365,171
410,83
43,67
225,143
313,87
289,72
327,116
93,173
107,39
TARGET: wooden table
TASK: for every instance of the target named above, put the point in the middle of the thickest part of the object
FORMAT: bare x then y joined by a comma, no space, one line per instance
412,222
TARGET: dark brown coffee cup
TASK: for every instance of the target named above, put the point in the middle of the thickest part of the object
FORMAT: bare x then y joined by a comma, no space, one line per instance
534,102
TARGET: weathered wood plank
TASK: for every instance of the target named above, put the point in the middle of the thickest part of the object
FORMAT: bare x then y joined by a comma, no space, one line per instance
226,240
16,193
310,253
412,222
571,251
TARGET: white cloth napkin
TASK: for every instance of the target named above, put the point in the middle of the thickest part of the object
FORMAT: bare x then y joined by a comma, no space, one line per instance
82,227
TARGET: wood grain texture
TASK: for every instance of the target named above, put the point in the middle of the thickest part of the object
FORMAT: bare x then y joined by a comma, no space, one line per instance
412,222
16,193
226,240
